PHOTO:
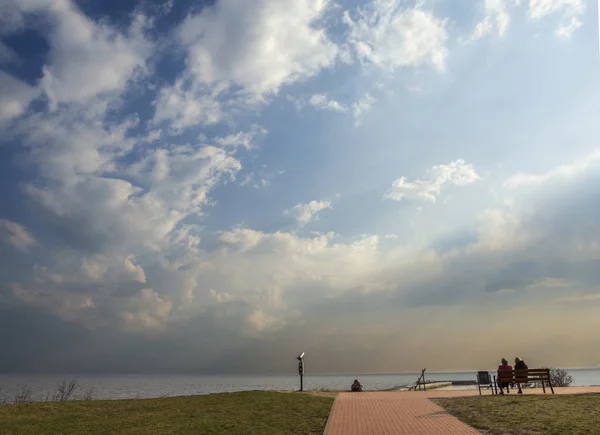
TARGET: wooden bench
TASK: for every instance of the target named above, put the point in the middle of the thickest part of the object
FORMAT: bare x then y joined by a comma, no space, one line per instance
506,377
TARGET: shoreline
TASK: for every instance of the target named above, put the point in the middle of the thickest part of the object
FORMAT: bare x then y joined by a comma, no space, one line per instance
141,386
441,387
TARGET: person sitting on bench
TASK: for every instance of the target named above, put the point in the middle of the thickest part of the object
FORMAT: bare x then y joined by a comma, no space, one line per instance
520,365
356,386
504,367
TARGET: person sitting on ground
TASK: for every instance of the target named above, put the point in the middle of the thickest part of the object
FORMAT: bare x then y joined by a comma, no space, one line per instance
356,386
520,365
503,367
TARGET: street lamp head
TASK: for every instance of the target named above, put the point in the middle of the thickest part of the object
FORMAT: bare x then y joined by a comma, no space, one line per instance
299,357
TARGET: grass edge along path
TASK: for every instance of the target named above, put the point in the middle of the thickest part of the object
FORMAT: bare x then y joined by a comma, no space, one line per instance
251,412
524,415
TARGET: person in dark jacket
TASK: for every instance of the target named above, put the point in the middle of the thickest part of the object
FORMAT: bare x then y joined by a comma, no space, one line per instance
356,386
520,365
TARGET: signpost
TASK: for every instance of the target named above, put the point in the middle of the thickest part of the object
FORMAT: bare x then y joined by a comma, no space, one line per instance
300,359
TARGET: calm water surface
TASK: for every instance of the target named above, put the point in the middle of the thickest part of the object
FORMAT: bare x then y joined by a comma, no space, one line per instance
144,386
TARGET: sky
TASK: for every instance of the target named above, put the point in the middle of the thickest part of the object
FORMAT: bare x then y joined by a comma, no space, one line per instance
217,186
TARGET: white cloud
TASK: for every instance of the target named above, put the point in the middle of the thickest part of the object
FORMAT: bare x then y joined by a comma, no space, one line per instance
111,211
273,273
116,209
305,213
15,235
362,107
68,268
564,172
15,97
458,172
152,136
567,29
497,15
261,179
182,177
70,143
220,296
500,230
390,36
258,282
287,261
570,11
243,139
259,321
185,106
275,42
496,18
540,8
100,269
146,310
320,101
81,48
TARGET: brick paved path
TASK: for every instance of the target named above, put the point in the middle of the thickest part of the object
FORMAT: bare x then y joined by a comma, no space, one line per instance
382,413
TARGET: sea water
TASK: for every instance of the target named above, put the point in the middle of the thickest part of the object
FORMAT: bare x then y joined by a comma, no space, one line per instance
146,386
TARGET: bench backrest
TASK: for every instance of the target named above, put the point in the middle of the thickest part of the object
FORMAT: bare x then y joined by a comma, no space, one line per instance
528,375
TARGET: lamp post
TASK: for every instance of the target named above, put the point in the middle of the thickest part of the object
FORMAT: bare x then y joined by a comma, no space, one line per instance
300,359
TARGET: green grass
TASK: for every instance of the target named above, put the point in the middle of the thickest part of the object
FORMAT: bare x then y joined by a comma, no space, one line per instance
568,414
254,412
